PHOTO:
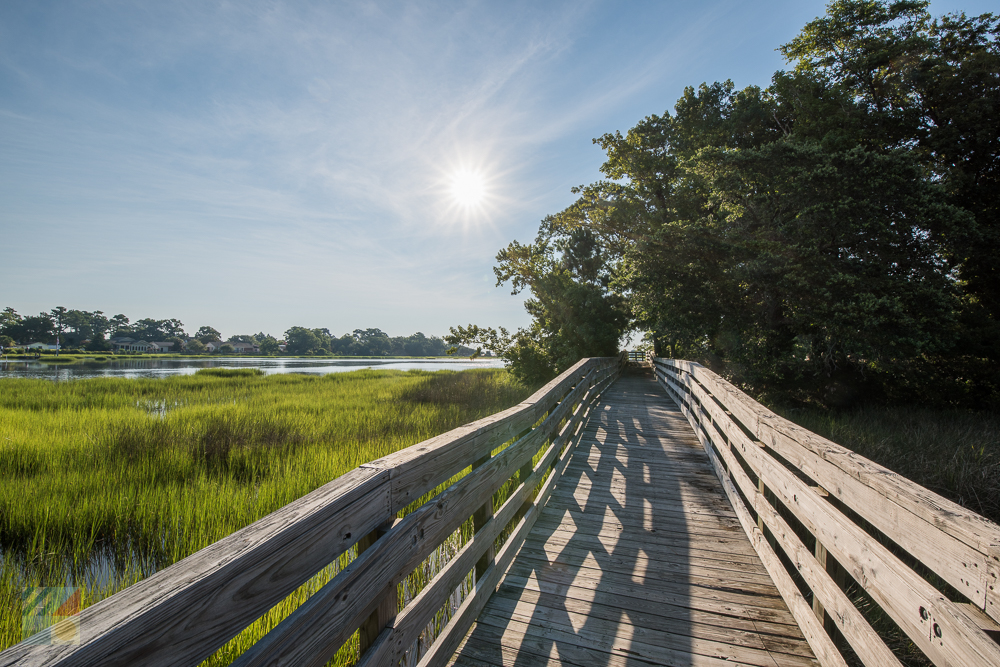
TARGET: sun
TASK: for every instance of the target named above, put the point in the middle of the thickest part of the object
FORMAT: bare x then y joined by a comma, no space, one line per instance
468,188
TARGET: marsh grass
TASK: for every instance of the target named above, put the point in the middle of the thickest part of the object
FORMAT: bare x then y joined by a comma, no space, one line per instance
105,481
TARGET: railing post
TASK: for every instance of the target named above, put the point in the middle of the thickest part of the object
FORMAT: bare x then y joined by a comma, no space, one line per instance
479,519
522,475
388,605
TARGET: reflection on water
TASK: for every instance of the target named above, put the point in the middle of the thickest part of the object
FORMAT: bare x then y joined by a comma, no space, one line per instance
158,368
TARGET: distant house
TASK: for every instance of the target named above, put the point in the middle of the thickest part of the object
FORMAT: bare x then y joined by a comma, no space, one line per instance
161,348
126,344
245,348
213,345
41,346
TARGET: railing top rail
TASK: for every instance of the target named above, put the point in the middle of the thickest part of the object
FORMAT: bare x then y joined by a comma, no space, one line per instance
935,510
802,487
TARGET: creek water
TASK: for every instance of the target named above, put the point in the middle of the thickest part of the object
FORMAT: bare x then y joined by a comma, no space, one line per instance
124,367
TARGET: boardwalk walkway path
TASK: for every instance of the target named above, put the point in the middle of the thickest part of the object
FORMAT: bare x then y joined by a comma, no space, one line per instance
636,559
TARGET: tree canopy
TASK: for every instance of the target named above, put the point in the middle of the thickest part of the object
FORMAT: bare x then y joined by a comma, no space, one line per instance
835,234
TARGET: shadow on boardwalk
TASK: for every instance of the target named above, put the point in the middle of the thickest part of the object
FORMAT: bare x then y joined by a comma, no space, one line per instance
637,559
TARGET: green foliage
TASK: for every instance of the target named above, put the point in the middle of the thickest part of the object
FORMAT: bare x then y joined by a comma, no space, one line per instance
230,372
207,334
269,345
98,343
575,312
299,340
838,229
27,330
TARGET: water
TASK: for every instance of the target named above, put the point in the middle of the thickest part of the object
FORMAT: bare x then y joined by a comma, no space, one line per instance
159,368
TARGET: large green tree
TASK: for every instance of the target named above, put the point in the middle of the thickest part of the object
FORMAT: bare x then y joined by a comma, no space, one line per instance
300,340
837,227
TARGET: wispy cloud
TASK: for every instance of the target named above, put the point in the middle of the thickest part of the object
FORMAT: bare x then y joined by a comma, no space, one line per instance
296,153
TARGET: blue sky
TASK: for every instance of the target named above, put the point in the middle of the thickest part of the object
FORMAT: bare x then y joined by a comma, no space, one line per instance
256,166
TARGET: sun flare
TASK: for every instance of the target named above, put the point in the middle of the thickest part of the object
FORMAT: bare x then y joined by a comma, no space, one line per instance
468,188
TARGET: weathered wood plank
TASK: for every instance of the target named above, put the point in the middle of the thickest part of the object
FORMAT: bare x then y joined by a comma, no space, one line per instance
422,467
183,613
813,630
612,582
665,549
642,562
596,647
393,645
552,584
862,638
959,545
586,584
471,607
897,589
656,613
603,621
314,631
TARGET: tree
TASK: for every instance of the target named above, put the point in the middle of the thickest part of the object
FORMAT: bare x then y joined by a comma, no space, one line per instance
37,329
178,343
887,76
119,325
324,338
6,342
575,312
840,223
345,345
194,346
371,342
57,316
151,329
269,345
226,348
207,334
299,340
9,321
98,343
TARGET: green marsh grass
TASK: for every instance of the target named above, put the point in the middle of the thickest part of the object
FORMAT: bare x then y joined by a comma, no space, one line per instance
104,481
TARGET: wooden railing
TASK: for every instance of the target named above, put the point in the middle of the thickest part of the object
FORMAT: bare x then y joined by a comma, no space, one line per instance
817,514
637,357
186,612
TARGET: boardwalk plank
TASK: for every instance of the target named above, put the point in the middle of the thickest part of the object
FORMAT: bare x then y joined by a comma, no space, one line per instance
637,558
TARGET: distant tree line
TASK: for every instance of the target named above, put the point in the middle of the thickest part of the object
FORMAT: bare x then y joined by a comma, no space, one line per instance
94,330
834,236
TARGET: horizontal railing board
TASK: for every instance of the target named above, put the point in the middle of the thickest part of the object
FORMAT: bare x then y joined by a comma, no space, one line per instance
313,632
958,545
183,613
445,645
824,648
393,644
897,507
421,468
862,638
908,599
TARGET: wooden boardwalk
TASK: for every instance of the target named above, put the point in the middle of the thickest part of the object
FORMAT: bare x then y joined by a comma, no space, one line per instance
637,558
626,550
